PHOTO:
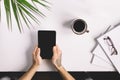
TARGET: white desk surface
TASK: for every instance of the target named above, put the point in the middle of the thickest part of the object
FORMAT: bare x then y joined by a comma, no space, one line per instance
16,49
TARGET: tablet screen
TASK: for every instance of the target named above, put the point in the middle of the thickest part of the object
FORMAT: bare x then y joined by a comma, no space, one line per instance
46,41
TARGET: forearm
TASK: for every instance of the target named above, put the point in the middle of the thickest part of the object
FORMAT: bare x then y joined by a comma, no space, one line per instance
64,73
30,73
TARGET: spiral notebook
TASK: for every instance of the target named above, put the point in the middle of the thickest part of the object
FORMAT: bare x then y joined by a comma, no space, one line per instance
110,43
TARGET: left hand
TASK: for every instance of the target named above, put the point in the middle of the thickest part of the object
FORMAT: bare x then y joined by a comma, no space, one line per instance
36,57
56,59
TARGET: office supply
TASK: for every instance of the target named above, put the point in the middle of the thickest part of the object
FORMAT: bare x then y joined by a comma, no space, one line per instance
96,46
99,55
98,52
109,42
97,61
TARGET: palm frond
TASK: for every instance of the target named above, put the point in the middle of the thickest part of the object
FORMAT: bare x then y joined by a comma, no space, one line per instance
23,16
29,7
41,2
16,13
8,12
22,11
29,14
0,10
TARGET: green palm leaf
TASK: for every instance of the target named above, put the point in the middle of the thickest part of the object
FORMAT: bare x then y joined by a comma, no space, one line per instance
41,2
29,14
8,13
23,11
29,7
0,10
16,13
24,17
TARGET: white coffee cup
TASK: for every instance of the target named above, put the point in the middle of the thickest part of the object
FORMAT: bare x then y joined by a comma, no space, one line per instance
79,26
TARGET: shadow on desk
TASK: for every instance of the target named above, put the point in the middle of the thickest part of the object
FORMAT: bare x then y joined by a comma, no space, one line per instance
56,76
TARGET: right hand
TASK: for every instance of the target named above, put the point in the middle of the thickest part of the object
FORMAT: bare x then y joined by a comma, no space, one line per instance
56,59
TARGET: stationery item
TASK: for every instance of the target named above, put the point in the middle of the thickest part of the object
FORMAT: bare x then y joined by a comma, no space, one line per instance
109,42
101,63
108,29
99,53
46,41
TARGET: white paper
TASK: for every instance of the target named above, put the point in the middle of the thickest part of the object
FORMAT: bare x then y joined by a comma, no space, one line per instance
101,63
100,54
114,35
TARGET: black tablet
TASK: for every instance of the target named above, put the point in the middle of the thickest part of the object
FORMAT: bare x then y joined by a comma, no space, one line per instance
46,41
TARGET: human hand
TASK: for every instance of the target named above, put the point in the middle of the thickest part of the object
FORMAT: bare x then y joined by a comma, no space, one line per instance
36,62
36,57
56,59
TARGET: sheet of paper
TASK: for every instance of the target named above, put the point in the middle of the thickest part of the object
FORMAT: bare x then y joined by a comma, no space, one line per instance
99,62
106,30
100,59
106,46
99,53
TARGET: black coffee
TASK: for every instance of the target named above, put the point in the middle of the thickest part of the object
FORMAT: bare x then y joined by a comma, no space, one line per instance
79,25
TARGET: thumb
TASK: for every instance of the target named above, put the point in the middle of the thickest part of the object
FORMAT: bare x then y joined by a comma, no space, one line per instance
54,50
38,52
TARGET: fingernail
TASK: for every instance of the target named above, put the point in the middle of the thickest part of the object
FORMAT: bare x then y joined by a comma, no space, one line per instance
38,49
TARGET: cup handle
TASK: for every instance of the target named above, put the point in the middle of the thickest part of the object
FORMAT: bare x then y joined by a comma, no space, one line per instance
87,31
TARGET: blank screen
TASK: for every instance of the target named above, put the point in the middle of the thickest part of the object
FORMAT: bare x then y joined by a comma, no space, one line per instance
46,41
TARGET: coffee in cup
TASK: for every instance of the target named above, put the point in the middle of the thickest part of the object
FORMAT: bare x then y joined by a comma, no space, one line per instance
79,26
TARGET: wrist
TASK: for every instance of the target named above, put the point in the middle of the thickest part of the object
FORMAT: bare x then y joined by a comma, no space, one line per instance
58,67
61,68
35,66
